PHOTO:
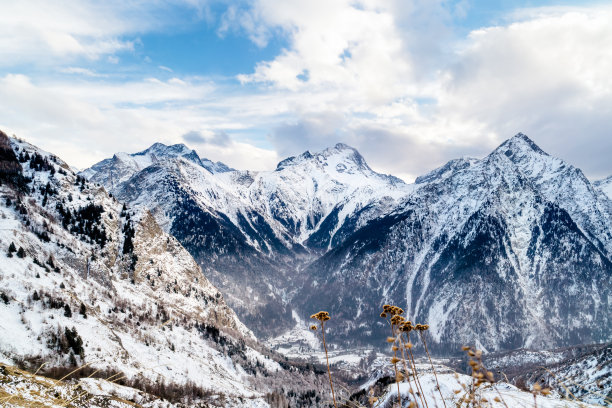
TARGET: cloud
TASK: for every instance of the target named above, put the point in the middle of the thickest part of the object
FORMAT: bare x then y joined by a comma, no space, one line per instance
193,136
392,78
86,122
216,138
50,33
81,71
368,70
546,75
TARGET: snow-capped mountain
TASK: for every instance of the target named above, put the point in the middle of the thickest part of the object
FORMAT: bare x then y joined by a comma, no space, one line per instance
122,166
507,251
87,281
246,229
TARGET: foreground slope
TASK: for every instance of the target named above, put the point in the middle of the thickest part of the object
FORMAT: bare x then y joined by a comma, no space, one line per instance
84,280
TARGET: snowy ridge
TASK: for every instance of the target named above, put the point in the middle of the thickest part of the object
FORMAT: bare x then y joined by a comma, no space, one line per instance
605,186
122,166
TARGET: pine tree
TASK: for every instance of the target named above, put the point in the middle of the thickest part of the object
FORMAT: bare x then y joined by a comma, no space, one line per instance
21,253
83,311
12,248
67,311
35,296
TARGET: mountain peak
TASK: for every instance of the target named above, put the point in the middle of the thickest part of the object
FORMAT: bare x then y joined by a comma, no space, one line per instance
342,155
343,146
160,149
520,143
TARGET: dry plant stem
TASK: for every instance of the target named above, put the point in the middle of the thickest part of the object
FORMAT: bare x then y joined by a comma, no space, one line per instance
405,366
416,376
399,396
423,402
432,367
328,369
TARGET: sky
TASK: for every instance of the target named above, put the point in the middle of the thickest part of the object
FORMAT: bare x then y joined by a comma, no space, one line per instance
411,84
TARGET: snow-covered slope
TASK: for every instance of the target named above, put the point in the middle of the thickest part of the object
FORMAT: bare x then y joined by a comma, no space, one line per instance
587,377
85,280
312,194
509,251
605,186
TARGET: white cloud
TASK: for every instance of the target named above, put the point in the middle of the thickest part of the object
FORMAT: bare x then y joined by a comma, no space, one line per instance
86,122
388,77
546,75
369,68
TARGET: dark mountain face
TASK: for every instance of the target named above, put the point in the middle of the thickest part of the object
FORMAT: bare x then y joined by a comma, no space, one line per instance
484,254
509,251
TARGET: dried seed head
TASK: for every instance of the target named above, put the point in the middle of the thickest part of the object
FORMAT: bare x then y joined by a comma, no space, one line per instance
394,348
395,360
399,377
408,345
406,327
387,308
390,339
465,348
383,315
322,316
313,327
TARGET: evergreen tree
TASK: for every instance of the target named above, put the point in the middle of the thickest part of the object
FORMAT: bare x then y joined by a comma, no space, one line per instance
67,311
35,296
12,248
21,253
83,311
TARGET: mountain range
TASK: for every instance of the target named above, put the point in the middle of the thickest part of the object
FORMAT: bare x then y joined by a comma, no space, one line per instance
511,250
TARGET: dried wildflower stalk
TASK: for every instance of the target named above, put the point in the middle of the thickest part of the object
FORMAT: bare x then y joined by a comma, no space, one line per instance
421,328
322,317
